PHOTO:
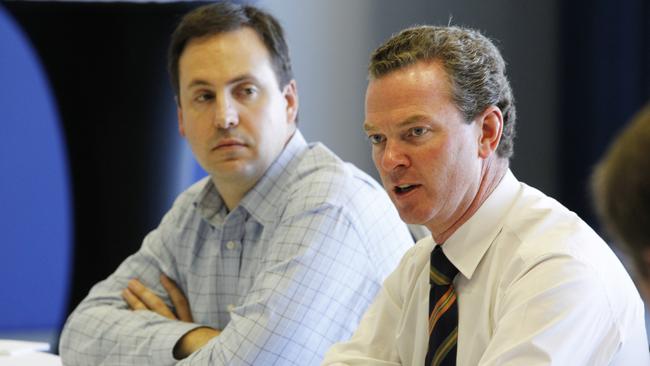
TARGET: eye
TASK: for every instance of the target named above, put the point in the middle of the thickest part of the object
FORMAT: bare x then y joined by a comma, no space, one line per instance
247,91
376,139
417,131
204,97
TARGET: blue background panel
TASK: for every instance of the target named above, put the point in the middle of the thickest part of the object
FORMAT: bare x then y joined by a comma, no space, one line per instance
35,217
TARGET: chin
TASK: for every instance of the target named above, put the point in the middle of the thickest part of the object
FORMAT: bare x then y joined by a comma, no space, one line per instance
415,218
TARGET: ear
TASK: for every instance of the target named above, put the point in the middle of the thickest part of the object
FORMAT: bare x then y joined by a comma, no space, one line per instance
179,114
491,127
290,94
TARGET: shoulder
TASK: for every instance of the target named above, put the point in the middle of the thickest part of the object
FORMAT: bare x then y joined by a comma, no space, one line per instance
184,207
192,193
541,225
322,182
542,236
322,178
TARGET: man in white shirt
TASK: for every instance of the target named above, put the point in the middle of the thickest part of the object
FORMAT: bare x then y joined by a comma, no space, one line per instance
535,285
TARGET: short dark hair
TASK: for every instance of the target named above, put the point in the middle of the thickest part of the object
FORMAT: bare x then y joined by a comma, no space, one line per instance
621,188
474,65
222,17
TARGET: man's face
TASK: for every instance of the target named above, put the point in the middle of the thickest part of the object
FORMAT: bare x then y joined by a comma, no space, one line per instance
234,115
425,152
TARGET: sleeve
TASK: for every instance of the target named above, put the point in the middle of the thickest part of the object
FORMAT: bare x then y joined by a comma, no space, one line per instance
375,342
556,312
103,331
314,285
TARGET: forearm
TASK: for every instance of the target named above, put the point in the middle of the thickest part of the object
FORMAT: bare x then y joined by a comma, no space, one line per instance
285,321
106,334
194,340
242,342
104,330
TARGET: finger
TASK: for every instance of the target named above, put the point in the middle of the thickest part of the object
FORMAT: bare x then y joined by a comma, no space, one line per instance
179,300
150,299
132,300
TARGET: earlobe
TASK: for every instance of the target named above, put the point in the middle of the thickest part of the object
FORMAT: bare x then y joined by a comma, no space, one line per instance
181,127
290,93
491,123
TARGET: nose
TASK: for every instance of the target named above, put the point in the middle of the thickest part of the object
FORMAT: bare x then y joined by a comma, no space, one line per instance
392,157
226,115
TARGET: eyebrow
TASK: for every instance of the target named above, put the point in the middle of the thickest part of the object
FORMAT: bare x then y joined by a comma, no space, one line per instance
411,120
368,127
198,82
201,82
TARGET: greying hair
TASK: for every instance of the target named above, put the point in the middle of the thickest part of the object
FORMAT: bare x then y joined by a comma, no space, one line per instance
474,65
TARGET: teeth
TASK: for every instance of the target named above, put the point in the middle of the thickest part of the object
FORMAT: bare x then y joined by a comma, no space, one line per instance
403,188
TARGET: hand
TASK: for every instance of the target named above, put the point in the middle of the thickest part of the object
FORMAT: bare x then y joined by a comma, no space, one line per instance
193,340
139,297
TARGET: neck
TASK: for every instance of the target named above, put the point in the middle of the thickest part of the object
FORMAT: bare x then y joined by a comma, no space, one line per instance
492,172
231,194
233,189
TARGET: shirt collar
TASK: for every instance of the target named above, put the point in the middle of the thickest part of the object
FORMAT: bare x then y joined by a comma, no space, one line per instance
467,246
262,200
210,204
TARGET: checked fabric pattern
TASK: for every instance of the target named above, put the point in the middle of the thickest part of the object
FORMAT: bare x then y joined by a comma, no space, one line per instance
443,310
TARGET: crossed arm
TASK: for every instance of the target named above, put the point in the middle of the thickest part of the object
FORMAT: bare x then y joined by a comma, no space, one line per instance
298,302
139,297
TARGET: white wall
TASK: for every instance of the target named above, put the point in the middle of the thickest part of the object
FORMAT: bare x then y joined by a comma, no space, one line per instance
330,42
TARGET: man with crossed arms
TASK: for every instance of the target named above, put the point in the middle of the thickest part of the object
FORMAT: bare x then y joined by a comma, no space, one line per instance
269,260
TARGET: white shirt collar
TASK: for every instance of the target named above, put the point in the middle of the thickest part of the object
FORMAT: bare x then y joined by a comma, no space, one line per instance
467,246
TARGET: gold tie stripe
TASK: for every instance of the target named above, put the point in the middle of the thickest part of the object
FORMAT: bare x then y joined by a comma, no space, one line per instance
443,309
445,347
443,304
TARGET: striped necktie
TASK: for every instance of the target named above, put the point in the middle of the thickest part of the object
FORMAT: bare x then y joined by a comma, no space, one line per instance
443,310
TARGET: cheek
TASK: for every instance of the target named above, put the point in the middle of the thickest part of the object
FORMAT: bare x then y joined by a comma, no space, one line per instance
196,120
196,131
375,157
434,157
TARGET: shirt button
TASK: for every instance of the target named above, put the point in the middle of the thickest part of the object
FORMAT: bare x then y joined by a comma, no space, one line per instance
231,245
230,307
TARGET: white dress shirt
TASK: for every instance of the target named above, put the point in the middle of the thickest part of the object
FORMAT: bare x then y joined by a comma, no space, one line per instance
536,286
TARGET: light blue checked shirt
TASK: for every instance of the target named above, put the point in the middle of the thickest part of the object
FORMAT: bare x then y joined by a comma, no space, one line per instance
284,275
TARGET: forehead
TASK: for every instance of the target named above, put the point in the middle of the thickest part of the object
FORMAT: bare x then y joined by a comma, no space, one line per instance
419,89
224,54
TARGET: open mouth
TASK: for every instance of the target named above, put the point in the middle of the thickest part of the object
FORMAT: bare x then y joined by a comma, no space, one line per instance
404,188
